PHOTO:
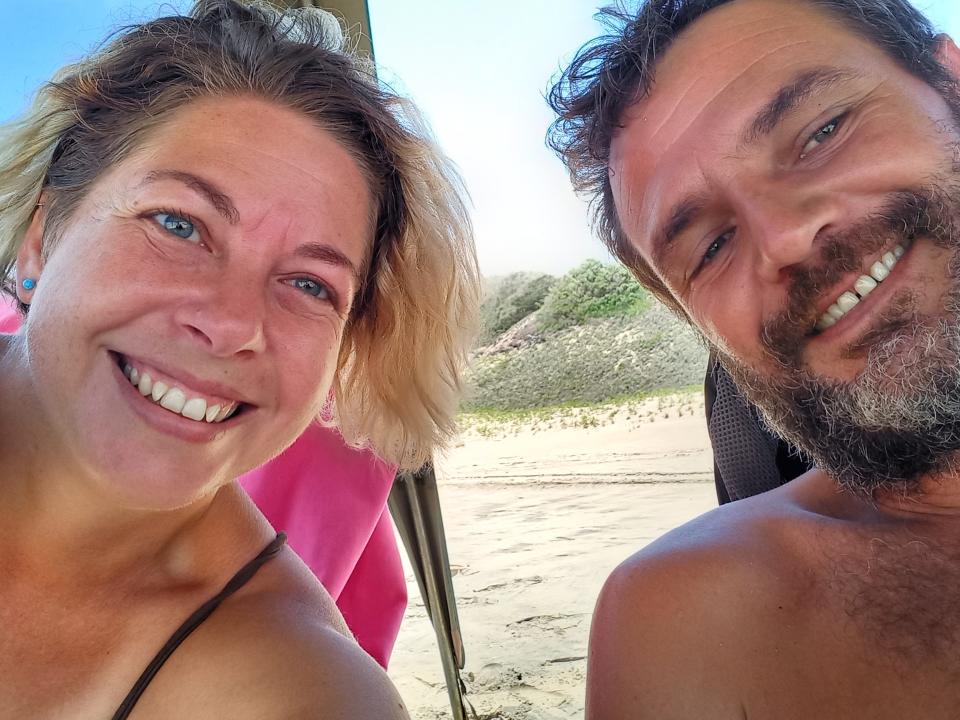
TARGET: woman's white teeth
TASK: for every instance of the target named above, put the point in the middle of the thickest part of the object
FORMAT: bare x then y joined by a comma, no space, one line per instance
159,390
863,286
195,409
175,400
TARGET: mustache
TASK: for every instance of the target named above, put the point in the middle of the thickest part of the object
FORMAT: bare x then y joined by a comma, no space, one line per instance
905,215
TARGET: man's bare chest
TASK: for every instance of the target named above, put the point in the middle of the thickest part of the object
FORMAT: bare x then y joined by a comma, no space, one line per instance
874,634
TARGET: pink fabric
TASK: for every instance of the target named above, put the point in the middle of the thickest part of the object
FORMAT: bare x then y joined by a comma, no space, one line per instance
331,501
9,317
375,596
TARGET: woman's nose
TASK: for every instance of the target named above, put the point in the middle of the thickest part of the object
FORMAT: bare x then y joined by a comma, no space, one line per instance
228,321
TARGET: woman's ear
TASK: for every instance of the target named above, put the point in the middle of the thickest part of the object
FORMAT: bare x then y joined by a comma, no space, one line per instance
30,256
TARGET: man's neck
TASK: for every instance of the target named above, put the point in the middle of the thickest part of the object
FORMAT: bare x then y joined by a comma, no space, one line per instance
935,496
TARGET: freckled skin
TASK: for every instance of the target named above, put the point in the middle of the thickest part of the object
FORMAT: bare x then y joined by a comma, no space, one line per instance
220,312
803,602
115,527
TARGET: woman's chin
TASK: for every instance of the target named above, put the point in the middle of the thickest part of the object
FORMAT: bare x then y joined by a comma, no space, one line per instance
150,491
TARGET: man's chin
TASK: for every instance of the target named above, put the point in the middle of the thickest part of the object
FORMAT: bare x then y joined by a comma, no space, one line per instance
896,423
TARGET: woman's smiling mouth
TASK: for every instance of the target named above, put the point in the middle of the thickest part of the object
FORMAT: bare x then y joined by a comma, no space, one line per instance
176,397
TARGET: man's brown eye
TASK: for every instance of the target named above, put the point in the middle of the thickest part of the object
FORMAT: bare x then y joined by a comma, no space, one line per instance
715,247
821,136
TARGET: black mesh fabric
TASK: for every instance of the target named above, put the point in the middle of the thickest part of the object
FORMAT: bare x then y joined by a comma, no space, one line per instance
744,452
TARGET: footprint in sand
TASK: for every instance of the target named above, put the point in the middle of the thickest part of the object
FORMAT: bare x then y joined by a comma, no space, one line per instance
518,582
556,624
494,676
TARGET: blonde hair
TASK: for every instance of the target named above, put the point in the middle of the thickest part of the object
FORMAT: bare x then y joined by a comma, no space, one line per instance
405,345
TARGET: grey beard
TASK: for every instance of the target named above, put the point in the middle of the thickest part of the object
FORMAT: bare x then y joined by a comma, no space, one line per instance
895,423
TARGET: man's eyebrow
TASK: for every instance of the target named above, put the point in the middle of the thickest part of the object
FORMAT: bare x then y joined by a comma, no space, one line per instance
790,96
681,216
221,201
786,100
328,254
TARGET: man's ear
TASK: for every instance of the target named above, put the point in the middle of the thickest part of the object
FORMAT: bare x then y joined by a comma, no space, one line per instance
30,256
948,54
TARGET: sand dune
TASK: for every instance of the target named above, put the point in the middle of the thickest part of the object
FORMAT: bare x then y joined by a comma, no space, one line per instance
536,519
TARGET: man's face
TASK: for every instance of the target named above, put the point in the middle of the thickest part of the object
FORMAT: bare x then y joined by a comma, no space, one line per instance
797,192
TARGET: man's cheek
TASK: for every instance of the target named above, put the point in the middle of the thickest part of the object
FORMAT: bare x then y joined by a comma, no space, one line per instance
714,328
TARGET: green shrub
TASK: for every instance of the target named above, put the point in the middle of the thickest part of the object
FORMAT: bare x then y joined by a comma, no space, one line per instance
592,290
597,362
509,299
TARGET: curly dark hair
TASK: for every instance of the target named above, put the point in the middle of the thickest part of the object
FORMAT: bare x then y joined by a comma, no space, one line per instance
617,69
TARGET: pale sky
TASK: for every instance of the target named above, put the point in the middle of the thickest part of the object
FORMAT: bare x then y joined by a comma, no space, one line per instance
478,70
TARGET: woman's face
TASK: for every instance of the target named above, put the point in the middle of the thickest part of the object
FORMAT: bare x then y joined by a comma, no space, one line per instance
221,260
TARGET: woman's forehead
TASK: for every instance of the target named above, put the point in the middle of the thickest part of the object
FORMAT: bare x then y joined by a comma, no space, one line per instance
259,156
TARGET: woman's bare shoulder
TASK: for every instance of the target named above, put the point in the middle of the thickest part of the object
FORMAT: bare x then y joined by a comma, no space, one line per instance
279,649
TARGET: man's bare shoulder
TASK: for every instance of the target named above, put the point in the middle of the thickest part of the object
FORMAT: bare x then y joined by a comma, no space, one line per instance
675,622
281,650
706,567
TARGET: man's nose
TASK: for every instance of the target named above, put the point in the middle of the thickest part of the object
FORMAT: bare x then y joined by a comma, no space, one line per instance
227,319
784,224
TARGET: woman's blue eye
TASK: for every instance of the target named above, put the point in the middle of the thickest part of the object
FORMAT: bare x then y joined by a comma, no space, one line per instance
178,225
312,287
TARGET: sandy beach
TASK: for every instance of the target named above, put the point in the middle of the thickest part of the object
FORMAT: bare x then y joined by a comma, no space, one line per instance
537,514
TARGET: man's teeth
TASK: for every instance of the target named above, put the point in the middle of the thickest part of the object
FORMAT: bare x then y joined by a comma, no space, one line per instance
176,400
863,286
847,302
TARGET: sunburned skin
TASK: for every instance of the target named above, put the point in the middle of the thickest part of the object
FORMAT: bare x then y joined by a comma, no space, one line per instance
808,601
795,604
897,601
118,520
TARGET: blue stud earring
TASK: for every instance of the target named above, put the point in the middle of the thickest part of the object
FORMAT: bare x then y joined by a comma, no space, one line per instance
29,283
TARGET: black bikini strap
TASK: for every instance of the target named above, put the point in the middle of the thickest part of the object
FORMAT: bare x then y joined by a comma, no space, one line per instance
193,622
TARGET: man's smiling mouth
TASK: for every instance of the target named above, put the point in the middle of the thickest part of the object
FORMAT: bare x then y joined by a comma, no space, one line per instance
863,286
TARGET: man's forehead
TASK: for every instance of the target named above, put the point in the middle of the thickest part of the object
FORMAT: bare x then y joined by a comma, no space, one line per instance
715,76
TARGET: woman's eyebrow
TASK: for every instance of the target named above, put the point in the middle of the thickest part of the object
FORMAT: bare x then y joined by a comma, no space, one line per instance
220,200
328,254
